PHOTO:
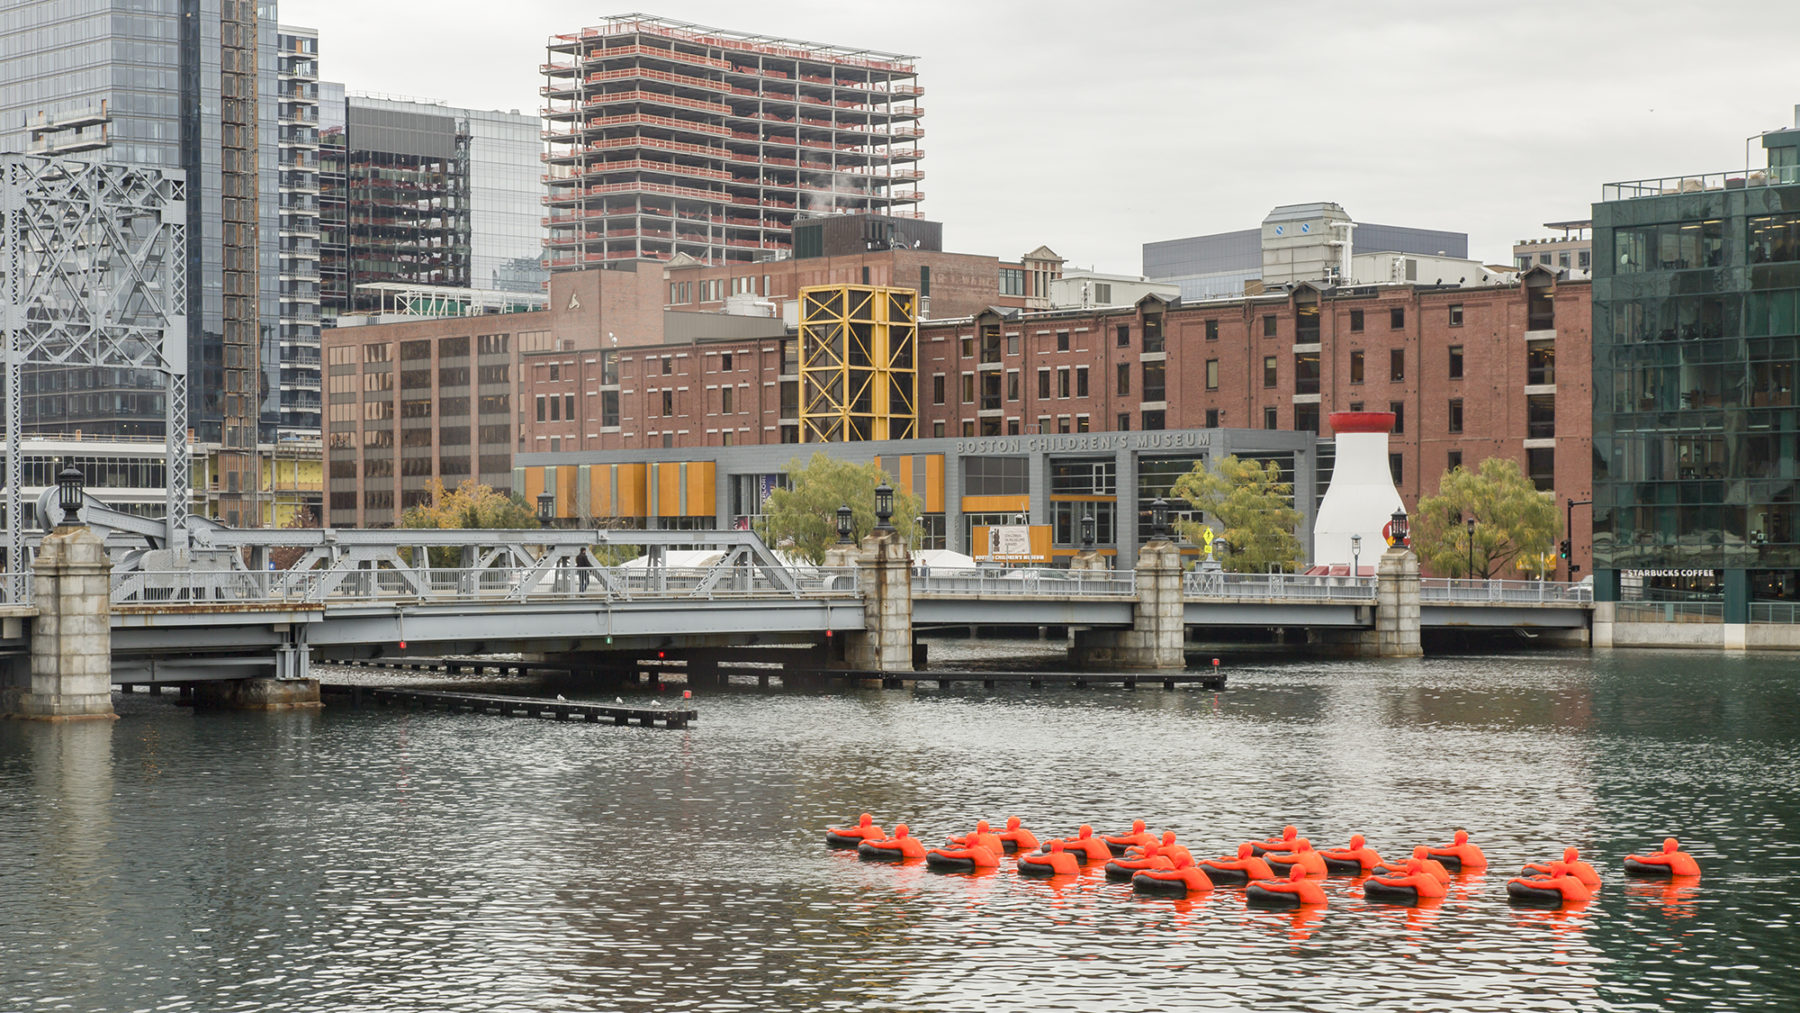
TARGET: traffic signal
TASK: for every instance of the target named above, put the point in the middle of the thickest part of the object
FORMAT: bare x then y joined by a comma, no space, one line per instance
1565,548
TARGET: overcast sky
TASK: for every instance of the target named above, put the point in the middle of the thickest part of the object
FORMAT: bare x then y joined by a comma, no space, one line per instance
1094,127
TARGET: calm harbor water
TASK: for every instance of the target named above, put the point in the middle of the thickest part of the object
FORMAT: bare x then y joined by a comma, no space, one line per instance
386,860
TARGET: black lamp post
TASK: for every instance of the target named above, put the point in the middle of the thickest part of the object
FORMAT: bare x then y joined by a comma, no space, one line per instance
884,507
1355,555
1087,530
68,494
546,508
1397,527
1471,525
844,521
1159,518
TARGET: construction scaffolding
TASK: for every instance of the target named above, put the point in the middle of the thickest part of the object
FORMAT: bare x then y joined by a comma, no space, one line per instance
93,272
859,376
670,138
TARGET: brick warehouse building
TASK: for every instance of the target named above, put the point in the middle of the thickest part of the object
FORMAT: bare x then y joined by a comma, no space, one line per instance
1471,371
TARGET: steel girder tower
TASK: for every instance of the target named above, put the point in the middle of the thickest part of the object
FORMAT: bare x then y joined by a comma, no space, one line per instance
859,377
93,272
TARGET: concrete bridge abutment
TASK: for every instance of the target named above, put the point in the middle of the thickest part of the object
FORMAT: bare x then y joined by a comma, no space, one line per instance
70,678
884,575
1159,620
1396,633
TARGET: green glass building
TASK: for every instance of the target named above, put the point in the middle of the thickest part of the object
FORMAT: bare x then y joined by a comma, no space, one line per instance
1696,336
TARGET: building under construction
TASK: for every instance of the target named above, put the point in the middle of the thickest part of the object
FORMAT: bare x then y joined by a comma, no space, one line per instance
669,138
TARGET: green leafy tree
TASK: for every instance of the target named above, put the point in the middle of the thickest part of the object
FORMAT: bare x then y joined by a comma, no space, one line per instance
802,518
1514,522
472,505
1252,505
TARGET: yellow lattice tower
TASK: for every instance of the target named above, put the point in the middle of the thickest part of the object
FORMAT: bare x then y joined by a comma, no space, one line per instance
859,374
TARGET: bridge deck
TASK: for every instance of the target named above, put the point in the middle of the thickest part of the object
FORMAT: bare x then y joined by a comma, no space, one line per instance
507,706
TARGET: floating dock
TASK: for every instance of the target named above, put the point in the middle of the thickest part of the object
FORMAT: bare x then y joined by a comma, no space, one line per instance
512,706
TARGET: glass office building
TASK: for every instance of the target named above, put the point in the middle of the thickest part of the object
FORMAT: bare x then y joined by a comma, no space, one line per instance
506,207
1696,335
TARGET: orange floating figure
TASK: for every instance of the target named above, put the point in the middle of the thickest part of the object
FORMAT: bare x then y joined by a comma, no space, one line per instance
1087,849
1055,862
1166,847
1554,889
1303,857
1411,887
983,836
1294,891
1572,862
1016,838
1283,843
1186,878
1430,865
1120,870
1671,861
1354,860
1136,837
1460,856
849,837
964,859
901,847
1245,868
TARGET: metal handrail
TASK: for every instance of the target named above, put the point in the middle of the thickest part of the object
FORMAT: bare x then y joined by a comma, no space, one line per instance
1517,592
1278,586
1027,582
1669,612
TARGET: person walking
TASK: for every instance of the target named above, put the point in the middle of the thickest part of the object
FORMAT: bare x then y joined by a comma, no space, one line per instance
584,564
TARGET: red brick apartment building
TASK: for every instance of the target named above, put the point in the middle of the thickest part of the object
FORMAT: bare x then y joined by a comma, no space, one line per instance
1471,372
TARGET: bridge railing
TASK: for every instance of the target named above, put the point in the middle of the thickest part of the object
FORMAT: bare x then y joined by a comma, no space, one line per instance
1029,583
1277,586
436,584
1503,592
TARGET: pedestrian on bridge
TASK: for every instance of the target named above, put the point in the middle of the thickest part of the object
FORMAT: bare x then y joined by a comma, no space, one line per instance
584,563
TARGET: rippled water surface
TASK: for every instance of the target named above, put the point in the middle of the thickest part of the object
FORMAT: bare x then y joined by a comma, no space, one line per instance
387,860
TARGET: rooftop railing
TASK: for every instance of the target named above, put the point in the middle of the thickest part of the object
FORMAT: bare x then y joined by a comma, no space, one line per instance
1736,179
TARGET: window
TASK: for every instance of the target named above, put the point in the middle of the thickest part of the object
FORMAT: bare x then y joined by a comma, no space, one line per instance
1396,364
1044,383
1102,296
1012,384
668,366
1153,421
725,394
1456,315
1062,423
1153,334
1062,341
555,408
1043,423
1212,418
1306,418
553,370
1155,374
1540,416
1585,258
1453,422
968,388
1124,379
1271,420
1012,427
1012,344
1081,381
1268,325
1453,460
541,409
1394,467
1212,330
996,476
937,430
1540,304
1356,366
1062,381
1456,362
1124,331
1356,320
925,281
968,427
937,389
668,402
725,362
1124,422
1012,281
1306,372
1212,374
1356,406
1399,410
1540,464
1396,318
1540,362
569,407
967,343
1270,370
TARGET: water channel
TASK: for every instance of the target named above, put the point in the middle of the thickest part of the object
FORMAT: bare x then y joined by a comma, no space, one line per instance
390,860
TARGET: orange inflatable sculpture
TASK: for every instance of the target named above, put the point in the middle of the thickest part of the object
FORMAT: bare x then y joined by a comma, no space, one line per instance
1165,847
1055,862
964,859
1294,891
983,836
1120,870
1181,881
1572,862
1087,849
1460,856
1430,865
1242,869
1283,843
1354,860
898,848
1303,857
1016,838
1553,889
1136,837
1410,887
850,837
1670,862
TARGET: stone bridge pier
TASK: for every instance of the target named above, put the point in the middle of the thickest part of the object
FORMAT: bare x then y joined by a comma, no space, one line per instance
1159,619
884,574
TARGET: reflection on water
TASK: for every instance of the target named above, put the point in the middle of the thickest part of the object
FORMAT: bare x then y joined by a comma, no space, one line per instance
392,860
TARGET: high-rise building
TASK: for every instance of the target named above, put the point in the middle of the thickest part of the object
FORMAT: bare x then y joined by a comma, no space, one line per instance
298,85
670,138
420,194
183,84
1696,355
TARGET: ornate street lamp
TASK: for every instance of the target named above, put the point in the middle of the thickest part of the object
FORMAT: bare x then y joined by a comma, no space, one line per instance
1159,518
1087,530
546,508
1355,555
1397,527
1471,523
68,494
844,521
884,507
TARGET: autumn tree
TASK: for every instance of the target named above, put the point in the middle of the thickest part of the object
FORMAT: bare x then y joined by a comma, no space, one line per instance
1514,521
1253,506
805,512
472,506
